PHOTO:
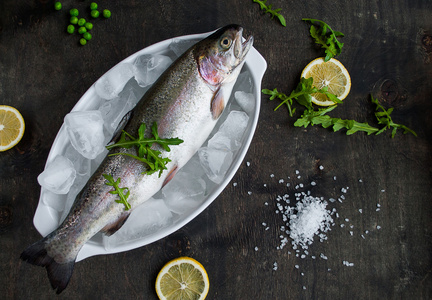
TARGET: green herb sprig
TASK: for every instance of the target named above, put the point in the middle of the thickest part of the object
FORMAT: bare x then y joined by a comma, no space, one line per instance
302,94
151,157
326,37
273,12
384,118
310,116
123,193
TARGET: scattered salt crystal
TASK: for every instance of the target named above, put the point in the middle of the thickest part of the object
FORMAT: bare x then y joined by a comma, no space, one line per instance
275,266
342,225
334,177
297,172
298,177
264,224
343,190
313,183
377,209
256,248
321,167
281,181
265,184
363,236
249,193
288,184
378,227
351,233
346,220
382,191
360,180
323,256
297,266
248,164
367,231
360,210
378,205
304,287
302,274
271,175
265,203
235,184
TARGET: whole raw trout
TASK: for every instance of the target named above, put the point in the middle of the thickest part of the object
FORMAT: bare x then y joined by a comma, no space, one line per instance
185,102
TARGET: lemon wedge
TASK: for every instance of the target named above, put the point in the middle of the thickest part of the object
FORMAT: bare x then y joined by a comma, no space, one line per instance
11,127
331,74
182,278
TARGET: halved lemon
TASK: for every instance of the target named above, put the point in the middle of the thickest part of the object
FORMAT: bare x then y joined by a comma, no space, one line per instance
332,74
182,278
11,127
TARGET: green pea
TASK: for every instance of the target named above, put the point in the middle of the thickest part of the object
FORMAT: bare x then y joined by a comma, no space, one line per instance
106,13
81,30
88,26
87,36
71,29
95,13
74,20
83,41
57,5
93,5
81,22
74,12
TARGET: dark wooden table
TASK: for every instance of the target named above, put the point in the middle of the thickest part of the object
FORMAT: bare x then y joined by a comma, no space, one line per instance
388,52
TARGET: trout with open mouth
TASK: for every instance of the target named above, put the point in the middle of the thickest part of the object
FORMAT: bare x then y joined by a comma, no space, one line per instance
185,102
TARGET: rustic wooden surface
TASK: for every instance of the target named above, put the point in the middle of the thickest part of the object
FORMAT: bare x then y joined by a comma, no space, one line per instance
388,52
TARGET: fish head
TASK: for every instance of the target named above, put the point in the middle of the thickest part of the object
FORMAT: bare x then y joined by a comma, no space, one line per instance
221,53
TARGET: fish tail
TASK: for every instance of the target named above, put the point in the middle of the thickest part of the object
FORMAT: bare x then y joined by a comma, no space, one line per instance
58,274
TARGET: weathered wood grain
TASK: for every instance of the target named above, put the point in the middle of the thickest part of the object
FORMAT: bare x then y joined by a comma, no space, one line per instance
388,52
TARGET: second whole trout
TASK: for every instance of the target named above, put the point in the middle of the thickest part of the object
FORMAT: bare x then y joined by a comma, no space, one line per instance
185,102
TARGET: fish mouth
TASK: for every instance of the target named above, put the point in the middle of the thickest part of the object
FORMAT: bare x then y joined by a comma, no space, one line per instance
241,48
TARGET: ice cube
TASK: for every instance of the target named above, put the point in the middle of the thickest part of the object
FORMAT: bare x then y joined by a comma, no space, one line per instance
144,220
245,100
85,130
179,46
148,68
184,192
113,82
215,162
81,164
55,201
230,133
113,111
58,176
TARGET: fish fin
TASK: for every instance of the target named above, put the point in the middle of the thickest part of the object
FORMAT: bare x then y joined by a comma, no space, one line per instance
58,274
112,228
170,176
120,127
217,105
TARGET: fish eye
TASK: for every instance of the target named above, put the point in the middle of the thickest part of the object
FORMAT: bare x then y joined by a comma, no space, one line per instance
226,42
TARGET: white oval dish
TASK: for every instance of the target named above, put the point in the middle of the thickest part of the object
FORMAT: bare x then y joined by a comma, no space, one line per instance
46,219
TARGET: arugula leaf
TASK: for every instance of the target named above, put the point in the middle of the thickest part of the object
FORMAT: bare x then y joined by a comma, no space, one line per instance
326,37
302,94
152,158
273,13
319,117
384,118
118,190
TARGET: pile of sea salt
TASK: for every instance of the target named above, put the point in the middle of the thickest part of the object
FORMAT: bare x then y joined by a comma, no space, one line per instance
308,219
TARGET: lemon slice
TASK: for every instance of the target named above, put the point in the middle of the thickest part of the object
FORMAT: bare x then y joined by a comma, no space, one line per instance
182,278
11,127
331,74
